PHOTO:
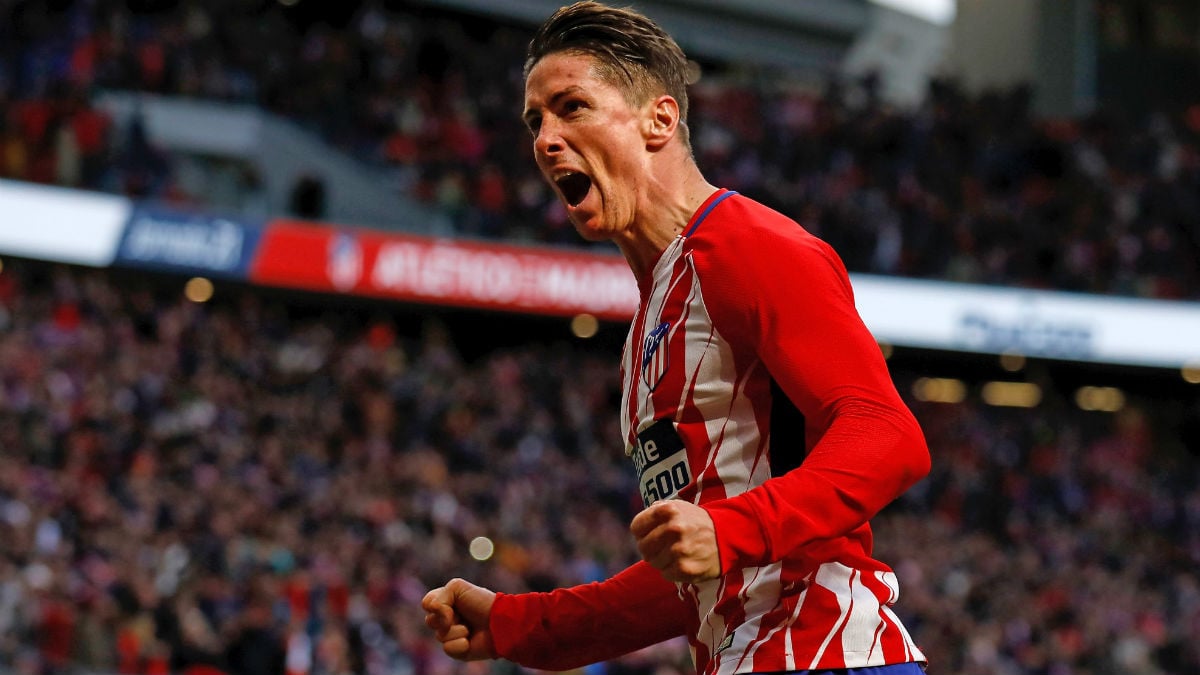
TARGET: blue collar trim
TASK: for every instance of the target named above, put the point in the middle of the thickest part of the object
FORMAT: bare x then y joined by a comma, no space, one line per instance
707,211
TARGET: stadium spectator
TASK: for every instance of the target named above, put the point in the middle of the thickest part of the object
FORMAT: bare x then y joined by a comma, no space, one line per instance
969,188
166,463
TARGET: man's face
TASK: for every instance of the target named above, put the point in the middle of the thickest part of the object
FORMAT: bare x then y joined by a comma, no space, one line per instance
588,143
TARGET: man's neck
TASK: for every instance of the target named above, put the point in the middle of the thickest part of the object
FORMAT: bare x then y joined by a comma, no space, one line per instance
666,210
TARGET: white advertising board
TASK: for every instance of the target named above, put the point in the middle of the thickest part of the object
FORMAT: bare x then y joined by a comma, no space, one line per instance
994,320
59,224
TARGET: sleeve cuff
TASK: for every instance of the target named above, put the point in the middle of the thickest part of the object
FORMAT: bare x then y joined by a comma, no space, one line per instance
741,541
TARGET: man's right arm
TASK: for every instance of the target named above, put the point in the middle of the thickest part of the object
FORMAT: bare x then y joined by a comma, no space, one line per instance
572,627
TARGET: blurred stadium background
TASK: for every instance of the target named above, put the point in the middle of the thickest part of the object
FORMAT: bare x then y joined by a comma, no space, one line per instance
291,331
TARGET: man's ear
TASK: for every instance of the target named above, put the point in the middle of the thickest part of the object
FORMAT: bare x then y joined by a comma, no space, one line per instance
662,121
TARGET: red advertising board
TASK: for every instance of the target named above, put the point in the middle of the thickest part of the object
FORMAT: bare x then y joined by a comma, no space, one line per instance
326,258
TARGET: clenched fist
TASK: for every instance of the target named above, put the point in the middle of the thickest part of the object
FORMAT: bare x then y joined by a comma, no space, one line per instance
678,538
458,614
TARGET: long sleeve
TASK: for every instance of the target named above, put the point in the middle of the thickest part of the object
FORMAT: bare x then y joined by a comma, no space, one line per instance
572,627
793,306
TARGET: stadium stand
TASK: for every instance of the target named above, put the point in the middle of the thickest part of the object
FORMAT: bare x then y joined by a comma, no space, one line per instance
966,188
202,487
269,482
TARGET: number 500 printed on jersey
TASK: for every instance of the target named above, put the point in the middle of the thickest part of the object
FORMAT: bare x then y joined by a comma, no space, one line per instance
661,462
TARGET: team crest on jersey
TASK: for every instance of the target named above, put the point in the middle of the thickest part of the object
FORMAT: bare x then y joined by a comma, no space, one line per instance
654,355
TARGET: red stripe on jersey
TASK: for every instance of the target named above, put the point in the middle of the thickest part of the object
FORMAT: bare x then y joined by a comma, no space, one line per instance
665,401
668,289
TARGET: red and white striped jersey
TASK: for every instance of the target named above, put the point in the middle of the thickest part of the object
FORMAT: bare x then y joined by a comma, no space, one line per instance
753,389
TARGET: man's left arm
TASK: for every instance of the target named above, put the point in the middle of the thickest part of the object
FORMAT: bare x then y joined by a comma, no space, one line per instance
803,324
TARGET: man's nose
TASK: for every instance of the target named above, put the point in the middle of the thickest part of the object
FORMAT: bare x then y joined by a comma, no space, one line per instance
549,141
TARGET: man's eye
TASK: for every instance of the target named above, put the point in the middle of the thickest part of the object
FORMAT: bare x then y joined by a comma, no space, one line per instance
572,106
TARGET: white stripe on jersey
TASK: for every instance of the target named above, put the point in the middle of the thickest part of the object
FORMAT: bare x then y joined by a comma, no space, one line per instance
692,352
705,596
835,578
889,580
759,597
861,634
789,651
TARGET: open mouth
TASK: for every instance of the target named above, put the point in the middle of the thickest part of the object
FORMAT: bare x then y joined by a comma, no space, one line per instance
574,187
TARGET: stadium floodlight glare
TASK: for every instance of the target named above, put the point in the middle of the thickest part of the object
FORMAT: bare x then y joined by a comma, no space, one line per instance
584,326
481,548
1191,373
1011,394
1012,361
887,349
198,290
939,390
1100,399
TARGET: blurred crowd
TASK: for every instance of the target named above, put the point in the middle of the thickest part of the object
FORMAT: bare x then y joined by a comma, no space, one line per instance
260,486
970,188
268,485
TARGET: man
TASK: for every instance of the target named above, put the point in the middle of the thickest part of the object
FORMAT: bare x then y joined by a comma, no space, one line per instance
757,412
